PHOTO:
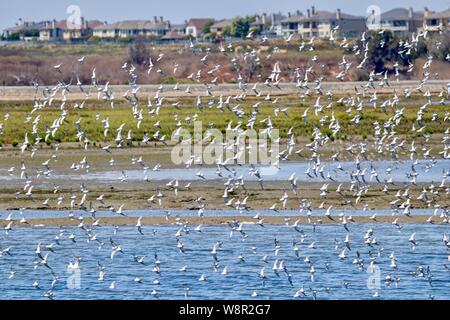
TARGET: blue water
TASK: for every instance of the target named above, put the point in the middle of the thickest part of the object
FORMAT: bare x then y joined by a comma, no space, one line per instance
339,280
44,214
426,170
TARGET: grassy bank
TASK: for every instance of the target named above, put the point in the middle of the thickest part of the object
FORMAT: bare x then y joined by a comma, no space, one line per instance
21,120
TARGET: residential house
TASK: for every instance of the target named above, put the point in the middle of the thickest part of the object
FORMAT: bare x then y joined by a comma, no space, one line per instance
220,26
260,24
132,28
437,21
399,21
62,31
275,24
85,31
24,30
173,36
52,30
267,24
194,27
289,25
179,28
321,23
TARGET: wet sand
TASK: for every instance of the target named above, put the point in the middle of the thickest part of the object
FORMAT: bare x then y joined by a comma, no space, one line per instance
27,93
135,195
209,220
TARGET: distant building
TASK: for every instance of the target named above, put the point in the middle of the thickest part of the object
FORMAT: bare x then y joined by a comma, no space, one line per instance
85,32
289,25
265,24
132,28
173,36
311,23
180,28
220,26
24,30
321,23
274,27
194,27
437,21
61,31
399,21
53,30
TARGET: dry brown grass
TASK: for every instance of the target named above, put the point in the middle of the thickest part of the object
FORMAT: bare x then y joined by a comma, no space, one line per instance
24,65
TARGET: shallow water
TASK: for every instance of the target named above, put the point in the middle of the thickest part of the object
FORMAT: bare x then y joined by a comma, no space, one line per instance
44,214
242,278
427,171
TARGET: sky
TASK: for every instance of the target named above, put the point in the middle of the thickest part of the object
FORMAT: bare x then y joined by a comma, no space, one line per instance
178,11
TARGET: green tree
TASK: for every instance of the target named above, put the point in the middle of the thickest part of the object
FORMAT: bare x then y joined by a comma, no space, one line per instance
439,46
207,27
385,47
93,39
241,26
226,31
31,33
14,36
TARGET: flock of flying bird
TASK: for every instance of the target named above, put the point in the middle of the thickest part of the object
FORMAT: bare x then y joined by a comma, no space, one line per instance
386,144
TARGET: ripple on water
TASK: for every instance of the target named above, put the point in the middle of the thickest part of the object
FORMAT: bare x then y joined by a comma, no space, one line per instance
242,278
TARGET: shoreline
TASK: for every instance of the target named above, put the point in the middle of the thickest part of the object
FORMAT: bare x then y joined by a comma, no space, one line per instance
142,195
14,93
216,220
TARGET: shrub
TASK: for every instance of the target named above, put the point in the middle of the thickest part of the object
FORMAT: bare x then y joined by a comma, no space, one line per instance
138,52
379,54
361,75
93,39
439,51
173,80
14,37
207,27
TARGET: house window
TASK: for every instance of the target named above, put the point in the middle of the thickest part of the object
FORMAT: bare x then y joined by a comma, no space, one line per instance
399,23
